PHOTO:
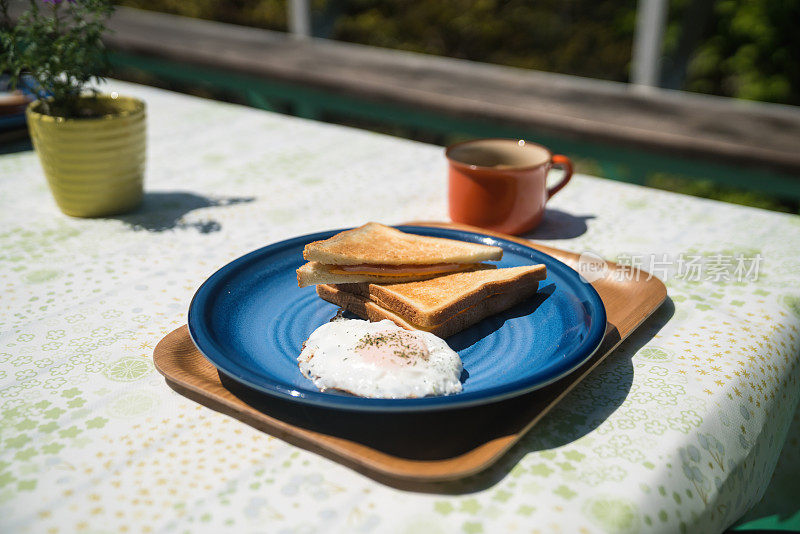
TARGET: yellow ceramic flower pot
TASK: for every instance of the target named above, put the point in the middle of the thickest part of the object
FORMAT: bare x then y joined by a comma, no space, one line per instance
94,166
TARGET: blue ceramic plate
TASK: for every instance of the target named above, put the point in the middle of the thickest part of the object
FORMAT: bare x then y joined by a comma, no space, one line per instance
250,320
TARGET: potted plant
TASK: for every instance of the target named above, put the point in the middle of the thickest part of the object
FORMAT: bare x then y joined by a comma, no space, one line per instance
91,145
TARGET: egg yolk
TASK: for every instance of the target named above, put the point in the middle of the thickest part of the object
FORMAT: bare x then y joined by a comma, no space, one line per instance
393,348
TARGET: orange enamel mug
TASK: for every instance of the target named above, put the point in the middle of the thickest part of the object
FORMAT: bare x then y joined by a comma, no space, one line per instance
501,184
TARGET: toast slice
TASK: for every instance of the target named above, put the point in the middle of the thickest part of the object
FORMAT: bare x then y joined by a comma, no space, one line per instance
317,273
377,244
367,309
432,302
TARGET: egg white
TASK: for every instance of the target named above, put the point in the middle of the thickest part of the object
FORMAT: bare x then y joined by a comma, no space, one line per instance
343,355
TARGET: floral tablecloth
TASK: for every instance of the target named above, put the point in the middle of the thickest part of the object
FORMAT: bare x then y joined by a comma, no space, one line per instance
678,430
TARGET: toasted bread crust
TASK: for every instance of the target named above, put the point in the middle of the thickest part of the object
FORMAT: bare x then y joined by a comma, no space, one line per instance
434,301
364,308
317,273
371,311
377,244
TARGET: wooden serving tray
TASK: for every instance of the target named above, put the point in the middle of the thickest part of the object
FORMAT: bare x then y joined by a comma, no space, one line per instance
416,449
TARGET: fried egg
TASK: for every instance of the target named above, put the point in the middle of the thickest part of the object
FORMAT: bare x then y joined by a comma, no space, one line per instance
379,360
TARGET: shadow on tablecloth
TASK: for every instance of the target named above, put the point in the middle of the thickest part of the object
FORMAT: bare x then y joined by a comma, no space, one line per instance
165,210
558,224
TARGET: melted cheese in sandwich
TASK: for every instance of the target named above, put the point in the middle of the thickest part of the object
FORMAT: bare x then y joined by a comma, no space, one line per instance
398,270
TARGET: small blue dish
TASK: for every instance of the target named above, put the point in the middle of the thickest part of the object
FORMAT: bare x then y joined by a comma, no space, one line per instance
250,320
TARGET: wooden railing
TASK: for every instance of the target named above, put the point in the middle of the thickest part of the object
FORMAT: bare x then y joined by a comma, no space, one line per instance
370,82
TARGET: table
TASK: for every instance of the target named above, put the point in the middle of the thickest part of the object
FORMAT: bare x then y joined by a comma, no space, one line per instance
678,430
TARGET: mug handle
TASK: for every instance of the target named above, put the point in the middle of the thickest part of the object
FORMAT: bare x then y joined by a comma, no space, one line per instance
561,161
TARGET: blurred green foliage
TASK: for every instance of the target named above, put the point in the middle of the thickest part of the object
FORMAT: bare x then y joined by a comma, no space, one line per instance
588,38
740,48
269,14
746,48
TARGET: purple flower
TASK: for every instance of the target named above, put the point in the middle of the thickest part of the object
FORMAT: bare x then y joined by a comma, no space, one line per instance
57,2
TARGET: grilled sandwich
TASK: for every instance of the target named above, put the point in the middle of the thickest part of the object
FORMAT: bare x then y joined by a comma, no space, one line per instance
382,254
443,305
